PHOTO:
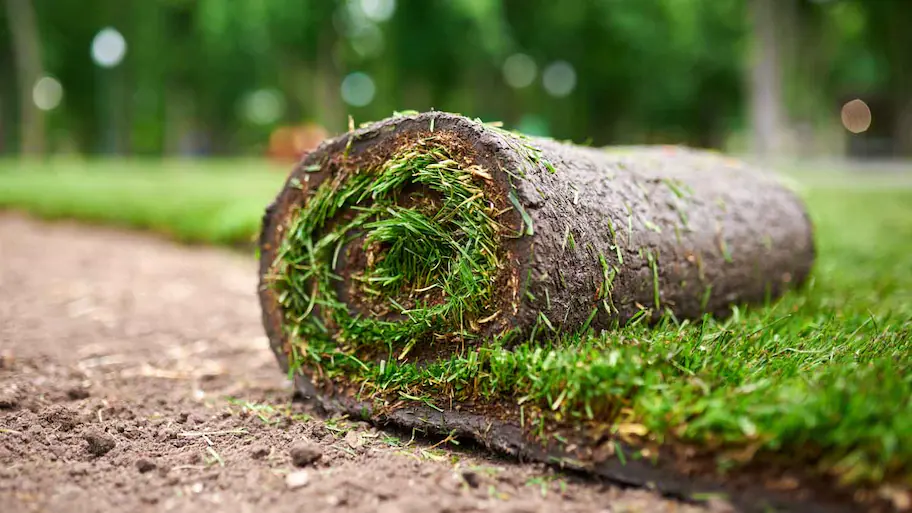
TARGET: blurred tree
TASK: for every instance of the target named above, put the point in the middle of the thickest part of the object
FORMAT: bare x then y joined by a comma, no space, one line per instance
29,69
7,86
767,25
219,76
67,29
304,35
891,36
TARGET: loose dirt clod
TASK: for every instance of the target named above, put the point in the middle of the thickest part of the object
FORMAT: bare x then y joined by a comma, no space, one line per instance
78,392
7,360
471,478
259,451
305,453
145,465
64,418
9,397
79,469
99,443
354,440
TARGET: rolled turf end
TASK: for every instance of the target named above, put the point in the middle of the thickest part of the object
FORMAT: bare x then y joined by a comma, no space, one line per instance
432,243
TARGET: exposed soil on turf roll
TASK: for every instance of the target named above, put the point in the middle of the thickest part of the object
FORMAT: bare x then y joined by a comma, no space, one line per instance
401,244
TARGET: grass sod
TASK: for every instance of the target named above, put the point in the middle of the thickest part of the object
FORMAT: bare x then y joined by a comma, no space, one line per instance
830,388
821,376
793,380
215,202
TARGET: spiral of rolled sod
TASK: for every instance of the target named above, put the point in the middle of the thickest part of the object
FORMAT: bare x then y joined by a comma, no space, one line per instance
419,234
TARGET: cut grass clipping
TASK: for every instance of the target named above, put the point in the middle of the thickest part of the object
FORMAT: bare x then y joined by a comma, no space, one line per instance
432,264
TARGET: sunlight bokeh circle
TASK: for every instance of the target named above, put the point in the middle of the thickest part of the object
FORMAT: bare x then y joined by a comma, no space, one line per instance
264,106
519,70
358,89
856,116
108,48
378,10
559,79
47,93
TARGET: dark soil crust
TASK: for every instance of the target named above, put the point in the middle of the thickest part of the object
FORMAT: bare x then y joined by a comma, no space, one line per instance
685,473
107,336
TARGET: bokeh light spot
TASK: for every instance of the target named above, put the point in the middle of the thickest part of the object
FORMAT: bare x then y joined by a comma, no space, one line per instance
856,116
108,48
264,106
378,10
47,93
519,70
559,79
358,89
367,40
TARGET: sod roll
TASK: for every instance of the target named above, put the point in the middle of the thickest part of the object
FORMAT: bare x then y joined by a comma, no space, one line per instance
433,229
409,249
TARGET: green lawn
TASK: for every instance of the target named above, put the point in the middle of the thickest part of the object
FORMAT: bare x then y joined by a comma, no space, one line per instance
212,202
822,376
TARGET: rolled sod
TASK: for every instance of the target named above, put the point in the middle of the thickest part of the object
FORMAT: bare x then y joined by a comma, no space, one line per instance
412,268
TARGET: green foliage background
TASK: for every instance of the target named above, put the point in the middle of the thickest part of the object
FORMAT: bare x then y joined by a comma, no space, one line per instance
647,70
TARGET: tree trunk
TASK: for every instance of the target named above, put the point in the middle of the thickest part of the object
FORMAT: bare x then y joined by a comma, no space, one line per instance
29,69
899,56
2,125
330,112
765,79
903,129
179,121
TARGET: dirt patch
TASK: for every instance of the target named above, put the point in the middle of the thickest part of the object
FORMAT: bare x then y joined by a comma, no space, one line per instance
135,376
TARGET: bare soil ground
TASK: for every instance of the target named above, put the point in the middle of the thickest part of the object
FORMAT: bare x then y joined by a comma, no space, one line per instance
135,376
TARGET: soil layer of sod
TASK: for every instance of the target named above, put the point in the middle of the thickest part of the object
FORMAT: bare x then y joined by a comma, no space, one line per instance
434,272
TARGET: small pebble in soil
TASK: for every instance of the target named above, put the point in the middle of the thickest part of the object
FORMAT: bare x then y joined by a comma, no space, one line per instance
9,397
99,443
260,451
297,479
354,440
145,465
471,478
79,469
78,392
304,453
